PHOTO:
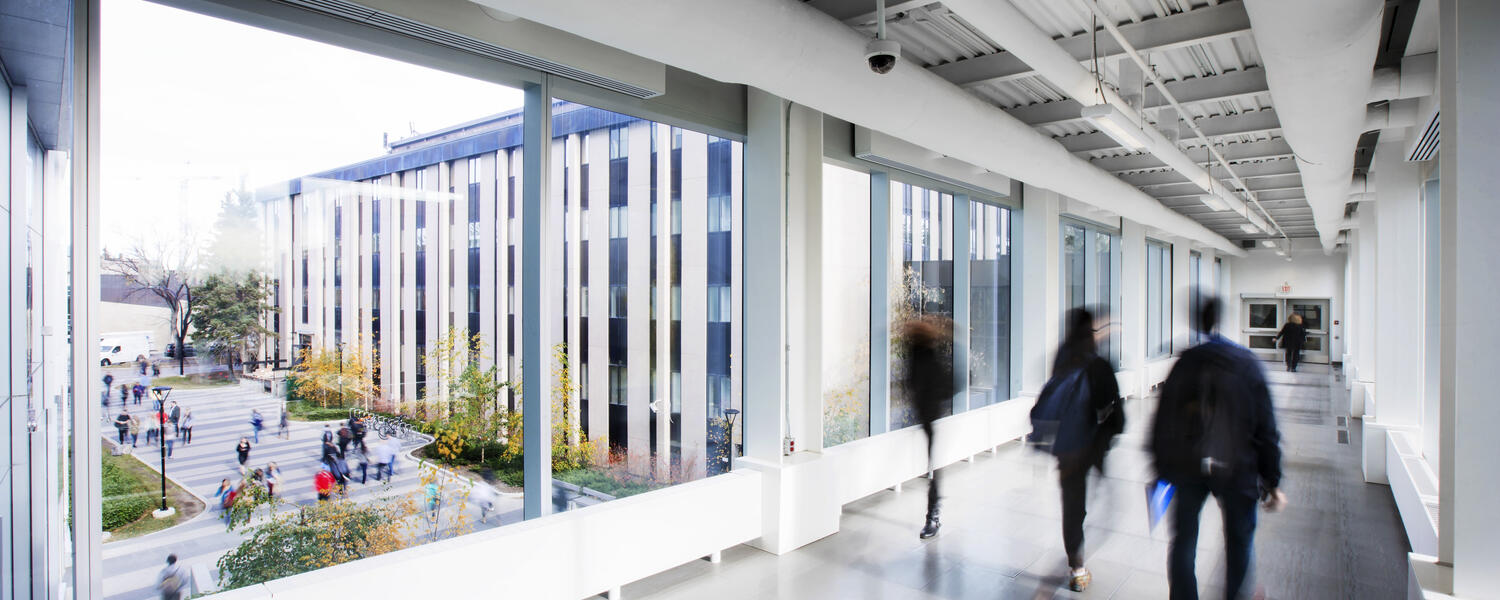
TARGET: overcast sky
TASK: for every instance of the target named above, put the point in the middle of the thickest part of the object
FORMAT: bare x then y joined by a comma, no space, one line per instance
192,104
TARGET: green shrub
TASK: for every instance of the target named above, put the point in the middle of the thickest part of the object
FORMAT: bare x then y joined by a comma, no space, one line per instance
608,483
126,498
307,411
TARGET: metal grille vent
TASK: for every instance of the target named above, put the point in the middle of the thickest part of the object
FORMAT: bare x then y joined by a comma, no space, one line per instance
413,29
1426,146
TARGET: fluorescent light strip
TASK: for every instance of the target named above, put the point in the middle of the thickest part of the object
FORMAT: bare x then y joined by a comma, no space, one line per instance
1116,125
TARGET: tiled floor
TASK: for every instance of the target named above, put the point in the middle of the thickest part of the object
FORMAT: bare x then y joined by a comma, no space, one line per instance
1001,537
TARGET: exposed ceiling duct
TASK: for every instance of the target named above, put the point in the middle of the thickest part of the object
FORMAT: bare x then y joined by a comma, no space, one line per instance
794,51
1319,59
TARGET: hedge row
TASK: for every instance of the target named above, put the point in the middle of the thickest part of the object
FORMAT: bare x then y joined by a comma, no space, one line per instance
126,498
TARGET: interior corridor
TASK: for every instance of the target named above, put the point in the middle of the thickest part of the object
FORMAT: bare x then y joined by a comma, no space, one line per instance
1339,537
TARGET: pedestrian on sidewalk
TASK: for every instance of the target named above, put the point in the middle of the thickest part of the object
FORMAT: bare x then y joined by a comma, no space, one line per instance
393,452
273,475
928,381
362,458
256,423
330,452
153,427
172,579
135,429
357,427
345,436
283,429
186,429
327,433
122,425
1080,405
175,413
243,450
323,484
224,499
138,391
1215,433
125,394
484,496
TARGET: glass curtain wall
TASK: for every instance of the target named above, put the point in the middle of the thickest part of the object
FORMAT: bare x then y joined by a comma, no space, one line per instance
846,305
990,254
342,241
1158,299
1090,278
1195,295
664,204
921,278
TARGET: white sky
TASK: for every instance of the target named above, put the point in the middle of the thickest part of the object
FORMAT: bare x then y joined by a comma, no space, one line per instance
191,104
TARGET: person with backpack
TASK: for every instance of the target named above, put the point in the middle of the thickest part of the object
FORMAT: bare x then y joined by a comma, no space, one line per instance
224,497
185,429
122,426
928,380
345,436
323,484
138,391
1077,415
1215,433
172,579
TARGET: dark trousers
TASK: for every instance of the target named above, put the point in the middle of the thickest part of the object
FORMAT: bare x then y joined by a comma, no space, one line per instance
1073,477
932,488
364,470
1238,508
1293,356
122,431
187,434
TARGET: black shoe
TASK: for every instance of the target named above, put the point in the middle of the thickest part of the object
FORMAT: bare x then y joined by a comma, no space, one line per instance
931,529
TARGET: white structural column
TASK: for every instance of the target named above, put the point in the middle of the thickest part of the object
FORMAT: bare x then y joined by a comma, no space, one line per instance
493,346
573,280
1469,284
765,373
1133,303
805,277
638,293
16,476
1363,395
694,303
1040,312
962,291
598,300
1398,321
661,302
880,303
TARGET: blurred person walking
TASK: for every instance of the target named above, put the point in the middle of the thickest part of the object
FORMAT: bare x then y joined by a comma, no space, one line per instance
1080,411
122,425
153,427
929,387
185,428
362,457
175,414
256,423
273,475
138,391
135,430
1215,433
323,484
282,429
243,452
125,394
1293,336
172,579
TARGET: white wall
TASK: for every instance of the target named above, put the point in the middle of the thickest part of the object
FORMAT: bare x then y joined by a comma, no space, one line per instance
1310,273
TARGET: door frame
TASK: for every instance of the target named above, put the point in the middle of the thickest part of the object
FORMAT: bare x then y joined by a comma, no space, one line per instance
1283,304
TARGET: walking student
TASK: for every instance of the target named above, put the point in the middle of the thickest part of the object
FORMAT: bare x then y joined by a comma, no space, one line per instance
361,456
1080,410
138,391
243,452
135,430
1215,433
185,430
172,579
282,429
125,394
929,387
273,475
122,425
153,427
1293,336
256,423
176,415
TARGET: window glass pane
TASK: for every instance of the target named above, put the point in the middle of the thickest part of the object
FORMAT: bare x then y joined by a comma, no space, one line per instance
1263,342
668,381
272,174
989,304
846,305
1263,316
921,279
1090,275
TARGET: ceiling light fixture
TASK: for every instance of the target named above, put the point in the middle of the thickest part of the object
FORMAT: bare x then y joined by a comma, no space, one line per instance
1249,228
1268,243
1116,125
1213,201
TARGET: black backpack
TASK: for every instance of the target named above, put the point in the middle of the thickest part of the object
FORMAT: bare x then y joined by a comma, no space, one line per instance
1063,420
1208,433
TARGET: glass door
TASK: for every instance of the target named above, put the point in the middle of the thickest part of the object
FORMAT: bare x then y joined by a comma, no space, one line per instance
1262,320
1314,314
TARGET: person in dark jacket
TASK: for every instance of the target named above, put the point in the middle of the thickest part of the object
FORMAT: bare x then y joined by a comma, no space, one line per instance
1292,337
929,386
1215,433
1080,350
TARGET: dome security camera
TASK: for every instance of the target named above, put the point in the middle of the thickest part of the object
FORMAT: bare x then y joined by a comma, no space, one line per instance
882,55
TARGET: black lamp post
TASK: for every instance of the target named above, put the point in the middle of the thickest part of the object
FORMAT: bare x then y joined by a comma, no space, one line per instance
729,416
161,392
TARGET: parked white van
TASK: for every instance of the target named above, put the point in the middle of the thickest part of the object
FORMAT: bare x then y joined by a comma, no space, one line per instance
123,347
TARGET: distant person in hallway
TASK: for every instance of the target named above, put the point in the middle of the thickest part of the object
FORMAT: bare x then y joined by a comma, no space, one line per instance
1080,413
1215,433
929,386
1292,337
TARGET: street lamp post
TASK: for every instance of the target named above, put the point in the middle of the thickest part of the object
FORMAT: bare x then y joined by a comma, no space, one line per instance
160,393
729,416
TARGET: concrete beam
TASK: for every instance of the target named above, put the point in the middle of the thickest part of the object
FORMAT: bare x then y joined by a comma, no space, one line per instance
1276,182
1260,121
1228,86
1150,36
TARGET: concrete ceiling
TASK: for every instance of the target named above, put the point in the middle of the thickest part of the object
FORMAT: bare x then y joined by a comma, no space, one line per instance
34,49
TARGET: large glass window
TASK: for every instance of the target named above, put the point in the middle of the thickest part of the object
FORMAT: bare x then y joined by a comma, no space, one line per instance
1158,299
989,304
258,162
1195,295
1090,278
846,305
921,278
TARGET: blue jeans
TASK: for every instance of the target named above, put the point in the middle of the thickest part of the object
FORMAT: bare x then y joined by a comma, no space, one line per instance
256,429
1238,508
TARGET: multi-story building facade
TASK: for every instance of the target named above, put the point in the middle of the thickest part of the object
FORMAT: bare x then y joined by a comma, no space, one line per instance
391,255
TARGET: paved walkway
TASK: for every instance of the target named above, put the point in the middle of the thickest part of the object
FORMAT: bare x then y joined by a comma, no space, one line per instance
221,416
1001,536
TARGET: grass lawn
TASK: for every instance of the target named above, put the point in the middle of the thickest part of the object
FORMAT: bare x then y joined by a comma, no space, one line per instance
300,410
130,485
191,382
